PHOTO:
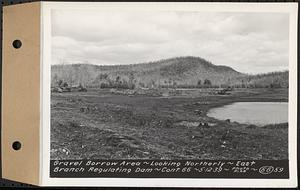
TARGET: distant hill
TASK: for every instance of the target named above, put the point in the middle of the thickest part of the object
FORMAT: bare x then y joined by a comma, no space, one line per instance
180,71
267,80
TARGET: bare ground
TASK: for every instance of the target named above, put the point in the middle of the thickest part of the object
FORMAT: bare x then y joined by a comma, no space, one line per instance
100,125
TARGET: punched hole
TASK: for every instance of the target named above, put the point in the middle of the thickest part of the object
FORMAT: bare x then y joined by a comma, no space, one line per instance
16,145
17,44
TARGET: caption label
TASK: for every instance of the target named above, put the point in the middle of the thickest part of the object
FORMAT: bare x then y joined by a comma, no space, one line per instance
170,169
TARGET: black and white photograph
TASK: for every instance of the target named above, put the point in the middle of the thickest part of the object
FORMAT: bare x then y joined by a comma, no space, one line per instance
169,94
169,85
150,94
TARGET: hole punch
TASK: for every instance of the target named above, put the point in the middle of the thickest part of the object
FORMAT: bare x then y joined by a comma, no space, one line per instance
16,145
17,44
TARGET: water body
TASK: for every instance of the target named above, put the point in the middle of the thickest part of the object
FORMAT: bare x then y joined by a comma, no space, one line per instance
257,113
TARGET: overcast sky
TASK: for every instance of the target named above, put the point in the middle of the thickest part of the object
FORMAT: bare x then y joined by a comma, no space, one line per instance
247,42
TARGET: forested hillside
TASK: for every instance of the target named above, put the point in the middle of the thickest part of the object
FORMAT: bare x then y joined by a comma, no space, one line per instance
175,72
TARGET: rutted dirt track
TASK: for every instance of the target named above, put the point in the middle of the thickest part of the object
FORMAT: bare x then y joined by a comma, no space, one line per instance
100,125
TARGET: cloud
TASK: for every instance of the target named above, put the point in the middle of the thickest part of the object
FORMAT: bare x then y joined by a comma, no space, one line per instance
247,42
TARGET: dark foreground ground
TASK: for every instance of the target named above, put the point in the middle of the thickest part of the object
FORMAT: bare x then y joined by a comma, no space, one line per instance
99,124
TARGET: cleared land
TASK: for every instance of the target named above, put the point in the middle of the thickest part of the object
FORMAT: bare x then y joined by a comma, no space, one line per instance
104,124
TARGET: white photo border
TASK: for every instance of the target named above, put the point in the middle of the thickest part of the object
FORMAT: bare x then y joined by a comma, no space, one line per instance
46,7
